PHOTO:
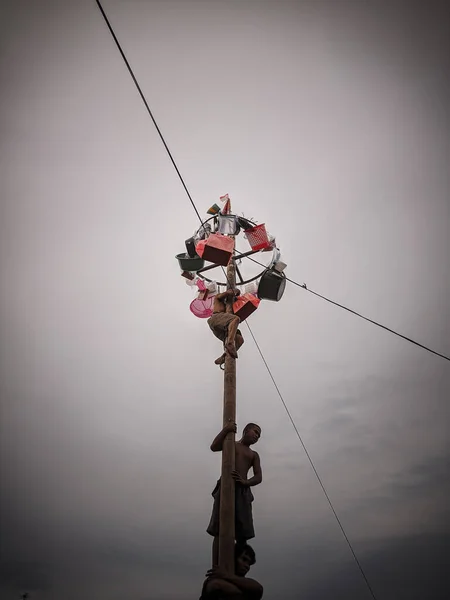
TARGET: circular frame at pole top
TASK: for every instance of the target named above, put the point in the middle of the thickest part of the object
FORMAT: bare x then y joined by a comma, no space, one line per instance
235,258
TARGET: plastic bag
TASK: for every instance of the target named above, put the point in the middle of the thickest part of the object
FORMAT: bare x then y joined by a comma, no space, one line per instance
275,258
191,282
272,243
212,288
279,266
203,232
245,223
251,288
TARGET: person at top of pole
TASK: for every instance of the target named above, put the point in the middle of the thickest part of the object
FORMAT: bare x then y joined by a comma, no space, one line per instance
225,325
221,586
245,459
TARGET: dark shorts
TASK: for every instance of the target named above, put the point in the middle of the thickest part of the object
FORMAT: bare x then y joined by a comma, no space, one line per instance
242,512
218,323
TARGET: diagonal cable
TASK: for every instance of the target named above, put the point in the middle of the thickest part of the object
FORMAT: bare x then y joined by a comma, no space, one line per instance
130,70
312,464
408,339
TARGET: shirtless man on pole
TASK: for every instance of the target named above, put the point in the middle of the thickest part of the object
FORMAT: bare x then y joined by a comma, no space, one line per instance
225,325
245,458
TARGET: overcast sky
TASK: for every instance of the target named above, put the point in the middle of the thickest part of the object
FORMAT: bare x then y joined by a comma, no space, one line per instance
328,121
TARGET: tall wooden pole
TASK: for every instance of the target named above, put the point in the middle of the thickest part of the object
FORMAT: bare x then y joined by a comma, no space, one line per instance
227,500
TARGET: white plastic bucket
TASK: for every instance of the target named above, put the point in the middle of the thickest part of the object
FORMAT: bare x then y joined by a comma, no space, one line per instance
228,225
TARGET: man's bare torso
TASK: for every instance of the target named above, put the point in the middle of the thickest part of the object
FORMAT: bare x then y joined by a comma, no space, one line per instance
219,305
244,458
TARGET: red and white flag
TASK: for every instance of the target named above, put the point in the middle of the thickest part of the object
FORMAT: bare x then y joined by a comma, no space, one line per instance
226,210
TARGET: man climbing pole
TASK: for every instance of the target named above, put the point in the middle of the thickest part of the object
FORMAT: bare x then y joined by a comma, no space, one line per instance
220,585
245,458
225,325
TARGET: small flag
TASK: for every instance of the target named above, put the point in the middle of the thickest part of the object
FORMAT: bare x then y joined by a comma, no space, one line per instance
226,210
213,210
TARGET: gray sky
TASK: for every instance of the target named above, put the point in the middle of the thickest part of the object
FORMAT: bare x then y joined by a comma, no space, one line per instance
329,122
